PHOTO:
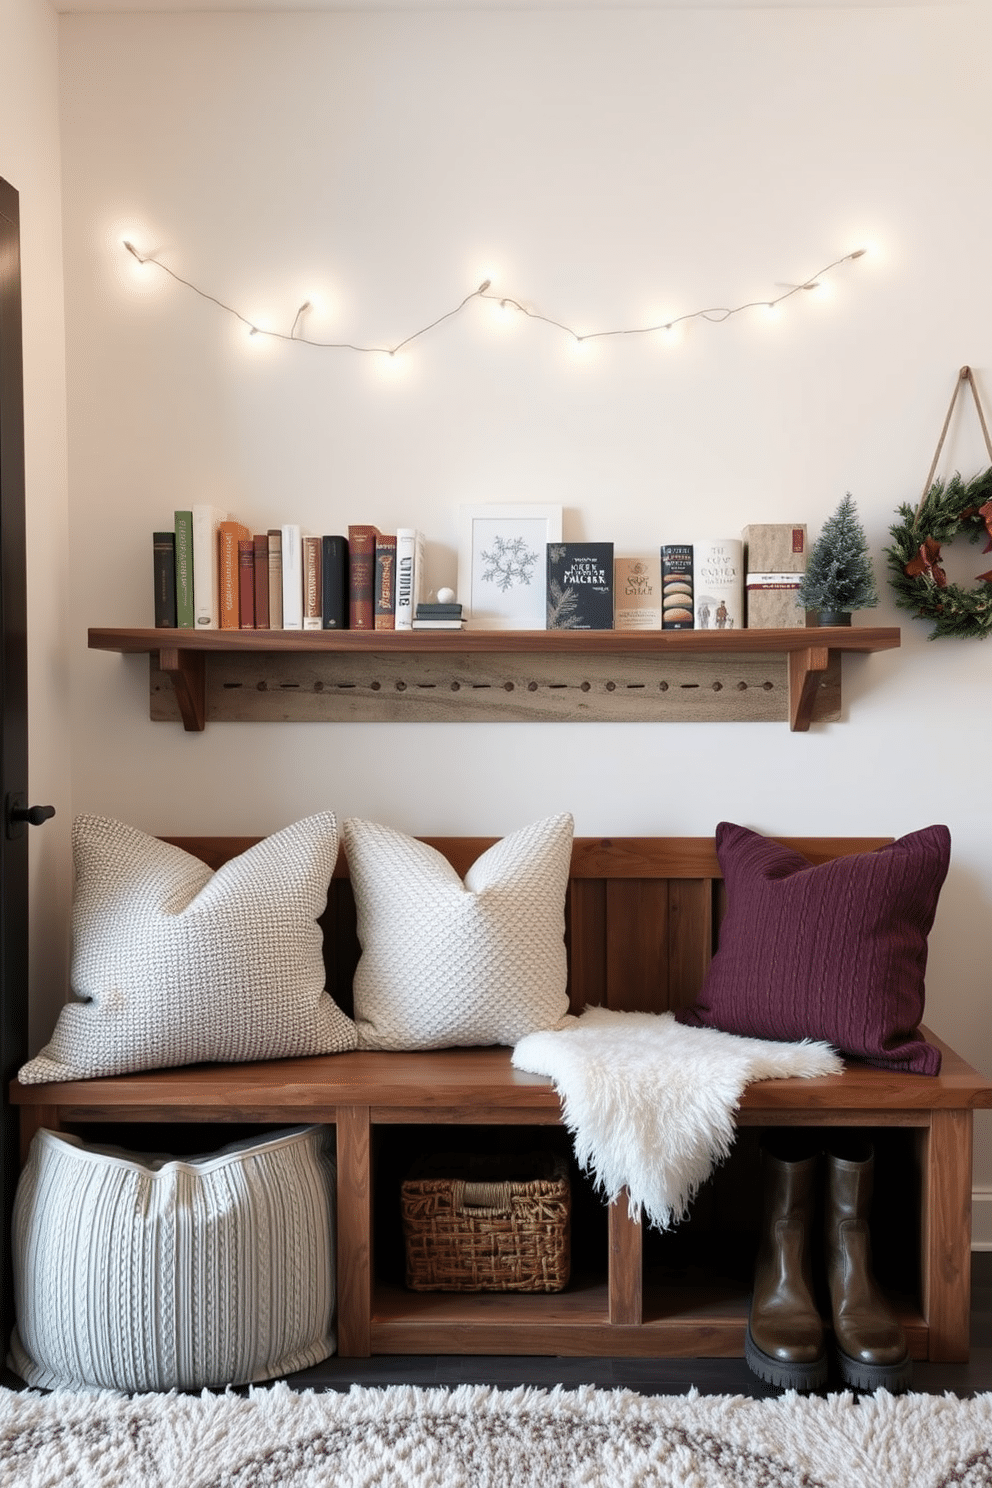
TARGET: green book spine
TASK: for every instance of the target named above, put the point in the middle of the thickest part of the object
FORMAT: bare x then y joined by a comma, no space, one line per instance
185,615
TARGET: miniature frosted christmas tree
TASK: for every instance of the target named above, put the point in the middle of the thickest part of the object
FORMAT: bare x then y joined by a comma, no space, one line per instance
839,577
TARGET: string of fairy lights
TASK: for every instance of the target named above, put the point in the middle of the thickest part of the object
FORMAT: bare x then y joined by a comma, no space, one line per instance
717,314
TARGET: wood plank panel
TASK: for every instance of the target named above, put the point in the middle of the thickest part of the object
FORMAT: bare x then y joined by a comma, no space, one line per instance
241,1111
472,1113
576,1338
354,1232
586,940
644,857
486,687
637,945
626,1268
676,1325
690,938
829,1115
946,1234
592,857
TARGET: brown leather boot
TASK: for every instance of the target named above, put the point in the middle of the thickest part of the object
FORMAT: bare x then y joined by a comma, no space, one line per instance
871,1345
784,1344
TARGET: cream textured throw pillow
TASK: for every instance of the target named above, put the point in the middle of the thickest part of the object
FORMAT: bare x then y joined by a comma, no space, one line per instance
176,964
446,962
140,1273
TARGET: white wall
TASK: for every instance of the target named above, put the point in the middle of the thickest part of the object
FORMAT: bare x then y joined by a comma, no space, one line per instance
606,167
29,160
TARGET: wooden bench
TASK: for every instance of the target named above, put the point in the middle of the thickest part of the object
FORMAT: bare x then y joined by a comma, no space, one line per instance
642,918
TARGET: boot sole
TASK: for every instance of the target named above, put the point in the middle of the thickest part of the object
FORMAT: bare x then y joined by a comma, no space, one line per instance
870,1377
811,1376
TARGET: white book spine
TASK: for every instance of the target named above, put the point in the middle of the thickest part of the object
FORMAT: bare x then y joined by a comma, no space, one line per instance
409,575
206,571
419,571
292,577
718,583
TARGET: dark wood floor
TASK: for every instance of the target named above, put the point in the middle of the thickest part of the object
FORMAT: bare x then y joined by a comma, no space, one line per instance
648,1376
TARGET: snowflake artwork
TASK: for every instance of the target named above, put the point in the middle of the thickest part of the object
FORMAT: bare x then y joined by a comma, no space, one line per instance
509,562
502,563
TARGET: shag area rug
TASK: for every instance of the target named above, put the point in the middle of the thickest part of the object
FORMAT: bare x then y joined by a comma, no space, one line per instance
476,1437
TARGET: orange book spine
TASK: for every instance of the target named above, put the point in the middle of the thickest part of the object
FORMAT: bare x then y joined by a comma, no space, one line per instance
228,536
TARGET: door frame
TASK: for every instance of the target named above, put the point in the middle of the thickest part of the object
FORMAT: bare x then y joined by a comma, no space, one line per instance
13,726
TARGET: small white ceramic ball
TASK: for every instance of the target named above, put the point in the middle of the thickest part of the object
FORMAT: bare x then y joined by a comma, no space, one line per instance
446,596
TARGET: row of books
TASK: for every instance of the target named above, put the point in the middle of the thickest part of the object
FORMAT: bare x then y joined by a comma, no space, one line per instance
211,572
684,587
713,584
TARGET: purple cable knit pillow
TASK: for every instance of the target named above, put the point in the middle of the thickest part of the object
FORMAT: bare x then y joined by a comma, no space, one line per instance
837,951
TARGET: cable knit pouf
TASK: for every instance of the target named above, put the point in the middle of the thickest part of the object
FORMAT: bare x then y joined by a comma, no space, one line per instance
140,1273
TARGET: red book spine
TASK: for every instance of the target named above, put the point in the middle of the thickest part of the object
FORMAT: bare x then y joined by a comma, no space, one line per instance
361,576
246,583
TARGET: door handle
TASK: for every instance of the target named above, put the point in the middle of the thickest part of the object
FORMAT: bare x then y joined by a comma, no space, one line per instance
18,814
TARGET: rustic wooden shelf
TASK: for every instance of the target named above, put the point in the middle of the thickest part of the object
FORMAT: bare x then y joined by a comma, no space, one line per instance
495,675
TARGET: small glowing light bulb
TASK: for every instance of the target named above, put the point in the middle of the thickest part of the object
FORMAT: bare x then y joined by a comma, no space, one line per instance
393,364
504,313
258,338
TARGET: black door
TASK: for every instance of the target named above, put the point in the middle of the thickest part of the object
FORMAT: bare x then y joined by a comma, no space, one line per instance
13,722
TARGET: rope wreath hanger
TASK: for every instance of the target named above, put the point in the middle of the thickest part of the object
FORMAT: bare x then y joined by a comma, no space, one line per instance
946,509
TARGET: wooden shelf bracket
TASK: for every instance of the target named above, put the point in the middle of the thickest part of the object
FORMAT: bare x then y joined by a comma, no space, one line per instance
187,671
806,675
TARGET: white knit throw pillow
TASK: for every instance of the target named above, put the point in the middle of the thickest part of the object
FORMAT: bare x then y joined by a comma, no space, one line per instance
446,962
136,1273
177,964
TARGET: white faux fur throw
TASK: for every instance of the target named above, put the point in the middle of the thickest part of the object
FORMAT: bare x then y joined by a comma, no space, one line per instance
650,1103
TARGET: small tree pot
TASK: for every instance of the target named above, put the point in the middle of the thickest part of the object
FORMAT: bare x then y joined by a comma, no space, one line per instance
834,617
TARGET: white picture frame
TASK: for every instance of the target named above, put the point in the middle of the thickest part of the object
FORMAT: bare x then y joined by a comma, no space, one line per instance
502,564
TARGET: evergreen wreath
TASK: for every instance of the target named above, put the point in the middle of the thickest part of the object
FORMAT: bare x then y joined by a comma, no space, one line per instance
915,573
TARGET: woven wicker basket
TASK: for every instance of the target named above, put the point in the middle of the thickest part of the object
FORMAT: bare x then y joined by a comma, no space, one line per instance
487,1224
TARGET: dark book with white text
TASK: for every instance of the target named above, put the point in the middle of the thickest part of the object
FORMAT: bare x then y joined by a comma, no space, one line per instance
580,586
